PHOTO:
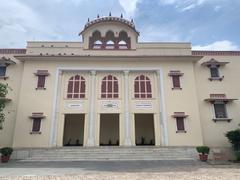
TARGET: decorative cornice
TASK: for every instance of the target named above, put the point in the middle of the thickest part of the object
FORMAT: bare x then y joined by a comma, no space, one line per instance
13,51
213,62
110,19
179,114
219,98
216,53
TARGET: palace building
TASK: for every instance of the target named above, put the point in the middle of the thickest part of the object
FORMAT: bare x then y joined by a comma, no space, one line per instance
112,90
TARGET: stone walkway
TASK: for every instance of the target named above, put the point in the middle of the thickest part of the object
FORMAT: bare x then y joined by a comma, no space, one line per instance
134,170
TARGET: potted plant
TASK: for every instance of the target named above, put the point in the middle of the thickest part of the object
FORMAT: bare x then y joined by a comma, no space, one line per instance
5,154
203,152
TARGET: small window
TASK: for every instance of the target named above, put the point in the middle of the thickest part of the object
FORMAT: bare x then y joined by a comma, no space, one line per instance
180,123
41,75
176,81
41,81
36,124
3,70
220,110
214,72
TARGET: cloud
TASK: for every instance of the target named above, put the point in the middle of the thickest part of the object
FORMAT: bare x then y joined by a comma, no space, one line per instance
129,6
184,5
18,23
218,45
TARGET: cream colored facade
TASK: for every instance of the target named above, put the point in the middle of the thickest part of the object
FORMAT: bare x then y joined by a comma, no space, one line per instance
64,60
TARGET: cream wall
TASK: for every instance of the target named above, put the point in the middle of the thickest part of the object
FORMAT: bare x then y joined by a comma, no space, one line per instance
214,133
175,100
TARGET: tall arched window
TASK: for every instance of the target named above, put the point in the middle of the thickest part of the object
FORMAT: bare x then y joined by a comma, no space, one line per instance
142,87
76,87
109,88
96,40
110,40
123,40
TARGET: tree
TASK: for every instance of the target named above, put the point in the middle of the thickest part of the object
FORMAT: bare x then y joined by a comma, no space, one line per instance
3,92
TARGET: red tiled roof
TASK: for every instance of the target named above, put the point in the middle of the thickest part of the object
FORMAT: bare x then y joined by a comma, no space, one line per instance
13,51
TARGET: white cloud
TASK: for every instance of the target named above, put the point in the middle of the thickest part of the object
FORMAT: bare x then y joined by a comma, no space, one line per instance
129,6
19,23
218,45
184,5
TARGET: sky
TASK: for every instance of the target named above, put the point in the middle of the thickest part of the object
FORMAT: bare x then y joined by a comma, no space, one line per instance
207,24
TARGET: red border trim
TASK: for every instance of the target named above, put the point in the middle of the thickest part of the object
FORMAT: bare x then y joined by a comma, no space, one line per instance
216,53
13,51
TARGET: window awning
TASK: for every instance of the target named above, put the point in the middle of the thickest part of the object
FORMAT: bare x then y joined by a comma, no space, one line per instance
179,114
213,62
6,61
37,115
219,98
175,73
42,73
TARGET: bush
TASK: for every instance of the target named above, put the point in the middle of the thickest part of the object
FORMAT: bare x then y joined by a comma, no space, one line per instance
237,155
234,138
203,149
6,151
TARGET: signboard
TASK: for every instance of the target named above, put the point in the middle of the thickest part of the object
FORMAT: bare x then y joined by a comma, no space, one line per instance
143,105
75,106
110,104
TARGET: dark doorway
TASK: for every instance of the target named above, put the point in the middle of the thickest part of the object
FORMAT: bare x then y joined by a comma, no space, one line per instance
73,130
109,130
144,130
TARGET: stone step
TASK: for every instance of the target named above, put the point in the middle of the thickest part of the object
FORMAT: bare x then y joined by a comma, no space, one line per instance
111,154
111,159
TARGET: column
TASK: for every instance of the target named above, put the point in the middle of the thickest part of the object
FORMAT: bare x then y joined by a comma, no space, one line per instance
91,121
127,141
55,112
163,118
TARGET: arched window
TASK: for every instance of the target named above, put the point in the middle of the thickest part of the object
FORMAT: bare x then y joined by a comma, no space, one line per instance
96,40
110,40
109,88
123,40
76,87
142,87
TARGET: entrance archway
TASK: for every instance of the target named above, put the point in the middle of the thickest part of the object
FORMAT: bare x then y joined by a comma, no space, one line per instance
73,130
109,130
144,130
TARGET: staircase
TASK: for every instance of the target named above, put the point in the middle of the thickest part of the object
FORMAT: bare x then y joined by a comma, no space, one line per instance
111,154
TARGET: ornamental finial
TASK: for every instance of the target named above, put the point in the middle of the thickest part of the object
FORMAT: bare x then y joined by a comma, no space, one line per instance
110,14
88,19
98,16
121,15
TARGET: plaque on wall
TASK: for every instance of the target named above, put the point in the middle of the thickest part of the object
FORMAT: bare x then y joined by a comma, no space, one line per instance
75,106
143,105
110,104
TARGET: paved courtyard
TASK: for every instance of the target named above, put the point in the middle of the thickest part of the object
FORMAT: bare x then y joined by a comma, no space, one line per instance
134,170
